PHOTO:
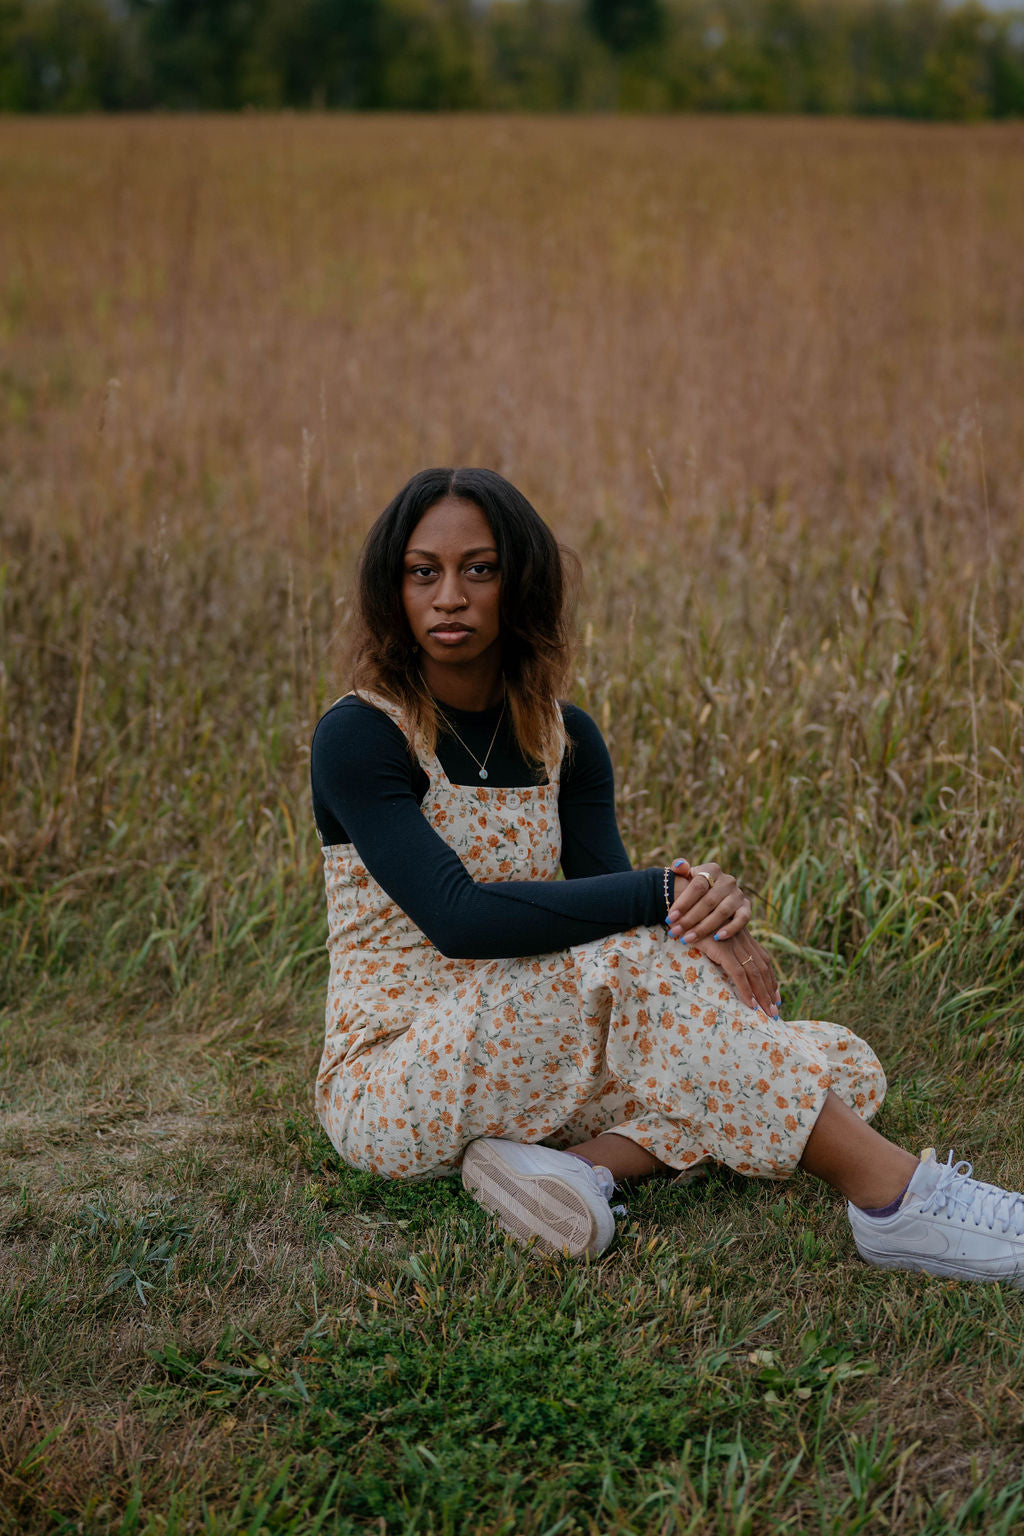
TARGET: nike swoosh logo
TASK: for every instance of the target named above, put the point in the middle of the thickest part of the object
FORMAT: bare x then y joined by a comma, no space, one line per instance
929,1240
922,1240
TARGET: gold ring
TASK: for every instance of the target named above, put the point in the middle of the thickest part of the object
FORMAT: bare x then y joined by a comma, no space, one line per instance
748,961
704,877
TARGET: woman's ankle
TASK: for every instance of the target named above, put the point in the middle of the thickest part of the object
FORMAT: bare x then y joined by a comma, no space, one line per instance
847,1153
627,1161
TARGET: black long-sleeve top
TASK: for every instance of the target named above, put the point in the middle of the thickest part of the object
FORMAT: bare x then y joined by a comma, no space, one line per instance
367,790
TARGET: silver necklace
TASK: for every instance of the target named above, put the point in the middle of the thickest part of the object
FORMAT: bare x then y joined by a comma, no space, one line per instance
481,765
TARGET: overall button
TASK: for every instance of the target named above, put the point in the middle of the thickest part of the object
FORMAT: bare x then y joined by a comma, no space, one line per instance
521,856
513,802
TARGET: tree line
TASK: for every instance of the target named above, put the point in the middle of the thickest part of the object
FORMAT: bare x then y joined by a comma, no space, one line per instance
909,58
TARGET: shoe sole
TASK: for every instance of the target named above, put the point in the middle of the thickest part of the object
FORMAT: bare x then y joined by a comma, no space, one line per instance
950,1271
538,1209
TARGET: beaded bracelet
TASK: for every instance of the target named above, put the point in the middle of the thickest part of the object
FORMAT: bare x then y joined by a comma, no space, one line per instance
668,899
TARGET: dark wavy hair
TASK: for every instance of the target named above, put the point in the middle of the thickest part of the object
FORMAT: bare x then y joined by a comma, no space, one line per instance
538,581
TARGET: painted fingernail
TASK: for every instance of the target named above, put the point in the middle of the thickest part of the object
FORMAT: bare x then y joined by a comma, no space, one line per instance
718,935
689,937
668,922
775,1012
678,863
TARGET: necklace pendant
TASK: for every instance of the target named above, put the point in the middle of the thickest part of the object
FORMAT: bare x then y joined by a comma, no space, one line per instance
483,773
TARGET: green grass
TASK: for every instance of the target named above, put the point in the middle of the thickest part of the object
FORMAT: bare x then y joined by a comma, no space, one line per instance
722,1368
803,633
208,1325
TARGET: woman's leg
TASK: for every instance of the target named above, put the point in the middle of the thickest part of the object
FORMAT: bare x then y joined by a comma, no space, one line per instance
842,1149
856,1160
625,1160
693,1078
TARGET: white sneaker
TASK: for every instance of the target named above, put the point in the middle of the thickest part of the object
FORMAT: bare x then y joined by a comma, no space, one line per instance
538,1194
948,1224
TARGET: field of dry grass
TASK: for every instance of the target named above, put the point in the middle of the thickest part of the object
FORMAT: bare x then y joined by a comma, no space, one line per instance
766,377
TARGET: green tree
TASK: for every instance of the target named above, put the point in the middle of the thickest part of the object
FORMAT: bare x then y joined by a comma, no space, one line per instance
629,29
955,69
434,56
195,49
61,56
625,26
13,84
539,56
1005,58
325,53
917,58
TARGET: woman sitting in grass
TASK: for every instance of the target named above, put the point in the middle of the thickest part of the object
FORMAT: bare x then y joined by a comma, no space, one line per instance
556,1038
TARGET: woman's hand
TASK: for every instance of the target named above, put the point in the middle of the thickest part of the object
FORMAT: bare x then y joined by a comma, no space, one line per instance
748,969
707,902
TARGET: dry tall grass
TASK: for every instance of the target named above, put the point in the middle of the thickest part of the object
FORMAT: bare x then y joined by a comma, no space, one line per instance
766,377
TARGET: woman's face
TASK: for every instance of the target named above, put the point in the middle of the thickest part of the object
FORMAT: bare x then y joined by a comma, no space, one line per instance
451,588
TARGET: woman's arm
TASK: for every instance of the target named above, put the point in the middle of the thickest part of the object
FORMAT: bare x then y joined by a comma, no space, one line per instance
363,777
706,902
591,841
707,908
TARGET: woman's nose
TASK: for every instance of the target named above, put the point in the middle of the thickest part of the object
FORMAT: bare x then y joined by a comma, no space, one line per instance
449,597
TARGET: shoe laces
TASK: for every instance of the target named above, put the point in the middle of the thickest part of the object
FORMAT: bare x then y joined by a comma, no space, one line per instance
603,1182
966,1198
603,1179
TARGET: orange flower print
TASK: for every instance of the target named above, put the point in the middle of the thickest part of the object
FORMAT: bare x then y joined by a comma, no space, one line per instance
422,1053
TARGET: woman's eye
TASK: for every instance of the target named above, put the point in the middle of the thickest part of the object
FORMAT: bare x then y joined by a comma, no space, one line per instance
480,570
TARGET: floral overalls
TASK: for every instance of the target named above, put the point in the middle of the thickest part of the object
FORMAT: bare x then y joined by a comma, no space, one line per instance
633,1033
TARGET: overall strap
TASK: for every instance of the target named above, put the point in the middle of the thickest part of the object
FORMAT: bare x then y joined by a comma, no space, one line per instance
428,761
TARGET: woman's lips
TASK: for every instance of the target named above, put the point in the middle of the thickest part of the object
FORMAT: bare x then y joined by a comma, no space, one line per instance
450,634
